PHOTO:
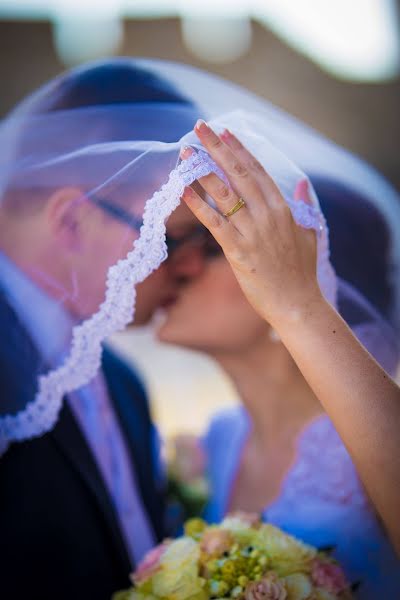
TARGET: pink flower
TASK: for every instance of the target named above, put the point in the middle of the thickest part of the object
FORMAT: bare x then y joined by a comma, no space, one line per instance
329,576
190,461
268,588
150,564
216,541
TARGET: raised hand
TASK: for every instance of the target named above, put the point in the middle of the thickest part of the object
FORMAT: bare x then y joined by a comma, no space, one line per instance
272,257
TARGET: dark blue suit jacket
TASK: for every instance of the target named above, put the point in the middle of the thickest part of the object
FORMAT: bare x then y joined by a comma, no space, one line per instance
59,536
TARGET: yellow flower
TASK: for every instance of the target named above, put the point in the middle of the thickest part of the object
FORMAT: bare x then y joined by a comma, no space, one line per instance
286,554
132,594
194,526
240,528
298,586
137,596
178,576
252,519
124,595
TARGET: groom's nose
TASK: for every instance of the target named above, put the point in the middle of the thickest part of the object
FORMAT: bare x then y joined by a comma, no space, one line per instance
187,262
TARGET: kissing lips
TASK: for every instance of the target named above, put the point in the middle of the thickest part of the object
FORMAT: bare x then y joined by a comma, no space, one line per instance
169,301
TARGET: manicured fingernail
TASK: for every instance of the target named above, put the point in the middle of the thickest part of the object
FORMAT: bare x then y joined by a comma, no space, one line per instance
202,126
188,193
189,197
185,152
301,191
226,135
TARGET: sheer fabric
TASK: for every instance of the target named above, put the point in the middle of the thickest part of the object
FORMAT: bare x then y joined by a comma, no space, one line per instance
120,164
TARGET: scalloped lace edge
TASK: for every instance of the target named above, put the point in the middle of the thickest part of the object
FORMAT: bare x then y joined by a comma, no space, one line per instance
117,310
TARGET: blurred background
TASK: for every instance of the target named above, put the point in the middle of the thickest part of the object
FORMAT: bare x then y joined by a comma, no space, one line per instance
334,65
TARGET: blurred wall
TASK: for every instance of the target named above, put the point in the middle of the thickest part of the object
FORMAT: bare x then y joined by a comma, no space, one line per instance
364,118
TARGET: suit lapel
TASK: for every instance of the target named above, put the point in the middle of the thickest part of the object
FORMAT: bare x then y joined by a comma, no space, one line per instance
70,441
20,361
21,364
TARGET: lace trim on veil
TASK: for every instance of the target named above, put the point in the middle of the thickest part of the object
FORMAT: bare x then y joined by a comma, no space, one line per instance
117,310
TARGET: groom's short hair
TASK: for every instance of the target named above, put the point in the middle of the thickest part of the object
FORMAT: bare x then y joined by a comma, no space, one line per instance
117,81
113,82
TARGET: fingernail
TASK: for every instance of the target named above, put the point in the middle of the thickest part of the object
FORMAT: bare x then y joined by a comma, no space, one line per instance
185,152
202,126
188,193
226,135
188,196
301,191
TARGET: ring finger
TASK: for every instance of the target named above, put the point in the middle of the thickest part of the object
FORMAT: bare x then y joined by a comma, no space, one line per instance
226,199
243,181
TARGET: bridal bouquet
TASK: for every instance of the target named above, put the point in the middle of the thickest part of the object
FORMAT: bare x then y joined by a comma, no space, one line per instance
240,559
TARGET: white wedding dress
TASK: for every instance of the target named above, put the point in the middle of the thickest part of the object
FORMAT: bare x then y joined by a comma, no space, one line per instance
321,500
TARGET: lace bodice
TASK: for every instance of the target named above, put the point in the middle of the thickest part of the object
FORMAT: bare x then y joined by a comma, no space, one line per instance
323,470
321,500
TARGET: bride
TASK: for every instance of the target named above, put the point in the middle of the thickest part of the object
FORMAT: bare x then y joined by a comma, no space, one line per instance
112,175
279,453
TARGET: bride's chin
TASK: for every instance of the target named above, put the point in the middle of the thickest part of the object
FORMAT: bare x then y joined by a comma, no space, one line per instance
165,332
162,335
174,328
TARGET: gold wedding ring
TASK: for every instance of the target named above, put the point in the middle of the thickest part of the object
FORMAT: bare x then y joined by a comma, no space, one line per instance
239,204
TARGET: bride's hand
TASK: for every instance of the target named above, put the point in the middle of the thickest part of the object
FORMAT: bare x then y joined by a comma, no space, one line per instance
273,258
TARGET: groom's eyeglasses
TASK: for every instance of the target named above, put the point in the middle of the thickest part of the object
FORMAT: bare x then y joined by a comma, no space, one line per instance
198,236
117,212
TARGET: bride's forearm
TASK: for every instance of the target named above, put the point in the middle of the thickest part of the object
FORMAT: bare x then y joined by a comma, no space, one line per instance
360,398
275,265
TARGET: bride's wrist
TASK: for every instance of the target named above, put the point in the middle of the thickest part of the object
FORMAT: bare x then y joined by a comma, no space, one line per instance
310,308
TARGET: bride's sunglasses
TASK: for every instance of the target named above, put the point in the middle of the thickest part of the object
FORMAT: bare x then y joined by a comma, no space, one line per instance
198,235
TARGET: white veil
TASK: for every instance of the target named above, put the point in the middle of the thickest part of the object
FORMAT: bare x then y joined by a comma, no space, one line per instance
124,159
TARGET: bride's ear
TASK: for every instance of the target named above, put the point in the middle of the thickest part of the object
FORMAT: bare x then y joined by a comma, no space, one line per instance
64,213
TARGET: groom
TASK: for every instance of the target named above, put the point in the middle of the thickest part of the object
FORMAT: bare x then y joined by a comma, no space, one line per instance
80,505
